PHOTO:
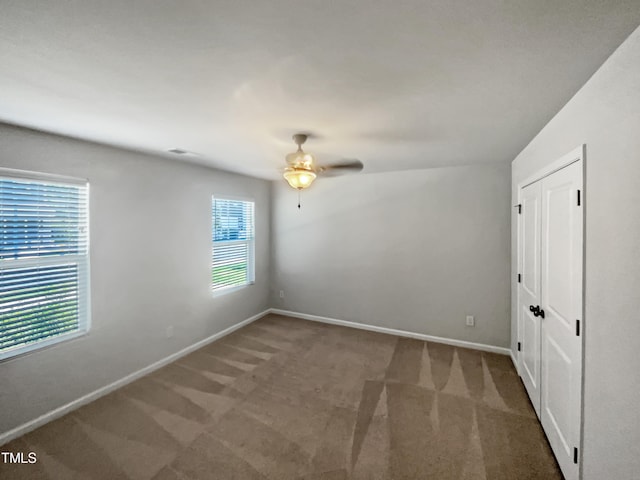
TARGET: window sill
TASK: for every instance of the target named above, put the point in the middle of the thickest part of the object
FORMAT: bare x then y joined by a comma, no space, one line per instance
40,346
223,291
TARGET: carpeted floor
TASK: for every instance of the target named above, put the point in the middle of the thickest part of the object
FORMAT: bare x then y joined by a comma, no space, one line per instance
290,399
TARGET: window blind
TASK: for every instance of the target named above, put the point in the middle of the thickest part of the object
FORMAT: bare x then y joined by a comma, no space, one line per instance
233,243
43,263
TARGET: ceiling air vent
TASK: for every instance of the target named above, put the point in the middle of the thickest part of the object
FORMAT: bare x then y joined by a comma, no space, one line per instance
178,151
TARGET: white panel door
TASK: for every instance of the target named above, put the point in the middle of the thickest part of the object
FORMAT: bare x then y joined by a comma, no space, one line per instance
530,290
561,270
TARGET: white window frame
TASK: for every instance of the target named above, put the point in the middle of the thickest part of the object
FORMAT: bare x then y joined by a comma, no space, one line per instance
251,245
81,261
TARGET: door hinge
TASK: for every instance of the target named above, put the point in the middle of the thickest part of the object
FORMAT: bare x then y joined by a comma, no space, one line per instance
575,455
519,346
578,328
578,197
519,278
519,208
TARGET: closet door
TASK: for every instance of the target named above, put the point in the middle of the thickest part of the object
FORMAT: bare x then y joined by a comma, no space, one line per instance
530,290
561,270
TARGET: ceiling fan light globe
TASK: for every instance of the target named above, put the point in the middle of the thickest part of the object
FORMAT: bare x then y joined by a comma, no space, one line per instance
299,178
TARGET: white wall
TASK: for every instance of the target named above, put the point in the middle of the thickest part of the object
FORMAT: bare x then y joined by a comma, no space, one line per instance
605,115
150,226
414,250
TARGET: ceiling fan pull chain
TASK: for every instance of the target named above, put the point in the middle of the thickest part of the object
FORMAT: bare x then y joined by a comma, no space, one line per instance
298,199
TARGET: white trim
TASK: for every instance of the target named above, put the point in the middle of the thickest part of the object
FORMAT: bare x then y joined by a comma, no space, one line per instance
229,289
236,198
573,156
393,331
90,397
249,242
80,261
26,175
22,350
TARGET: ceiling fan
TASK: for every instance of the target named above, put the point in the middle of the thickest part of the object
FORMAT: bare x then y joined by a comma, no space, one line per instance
302,170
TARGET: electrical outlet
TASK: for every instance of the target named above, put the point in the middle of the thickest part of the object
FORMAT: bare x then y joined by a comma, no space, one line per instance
471,321
281,293
169,331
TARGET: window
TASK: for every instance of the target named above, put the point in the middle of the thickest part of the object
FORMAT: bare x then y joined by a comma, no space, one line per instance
44,265
233,243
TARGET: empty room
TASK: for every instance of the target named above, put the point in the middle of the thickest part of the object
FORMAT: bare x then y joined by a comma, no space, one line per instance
312,240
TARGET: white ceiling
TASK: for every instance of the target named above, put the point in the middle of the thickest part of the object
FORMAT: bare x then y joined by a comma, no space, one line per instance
399,84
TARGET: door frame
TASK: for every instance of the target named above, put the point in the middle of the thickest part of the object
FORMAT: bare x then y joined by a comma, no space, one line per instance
578,154
522,316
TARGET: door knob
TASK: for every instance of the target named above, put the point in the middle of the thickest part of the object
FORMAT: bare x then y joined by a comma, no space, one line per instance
537,311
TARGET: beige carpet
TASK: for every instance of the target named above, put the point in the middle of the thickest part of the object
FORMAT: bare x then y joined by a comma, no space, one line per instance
290,399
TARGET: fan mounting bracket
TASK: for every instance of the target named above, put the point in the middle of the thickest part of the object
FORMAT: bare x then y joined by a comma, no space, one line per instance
300,138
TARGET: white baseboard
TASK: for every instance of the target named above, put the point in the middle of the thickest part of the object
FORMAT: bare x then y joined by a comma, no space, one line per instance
393,331
90,397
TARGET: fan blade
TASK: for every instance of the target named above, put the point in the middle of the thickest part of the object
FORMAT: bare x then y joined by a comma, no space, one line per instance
340,168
